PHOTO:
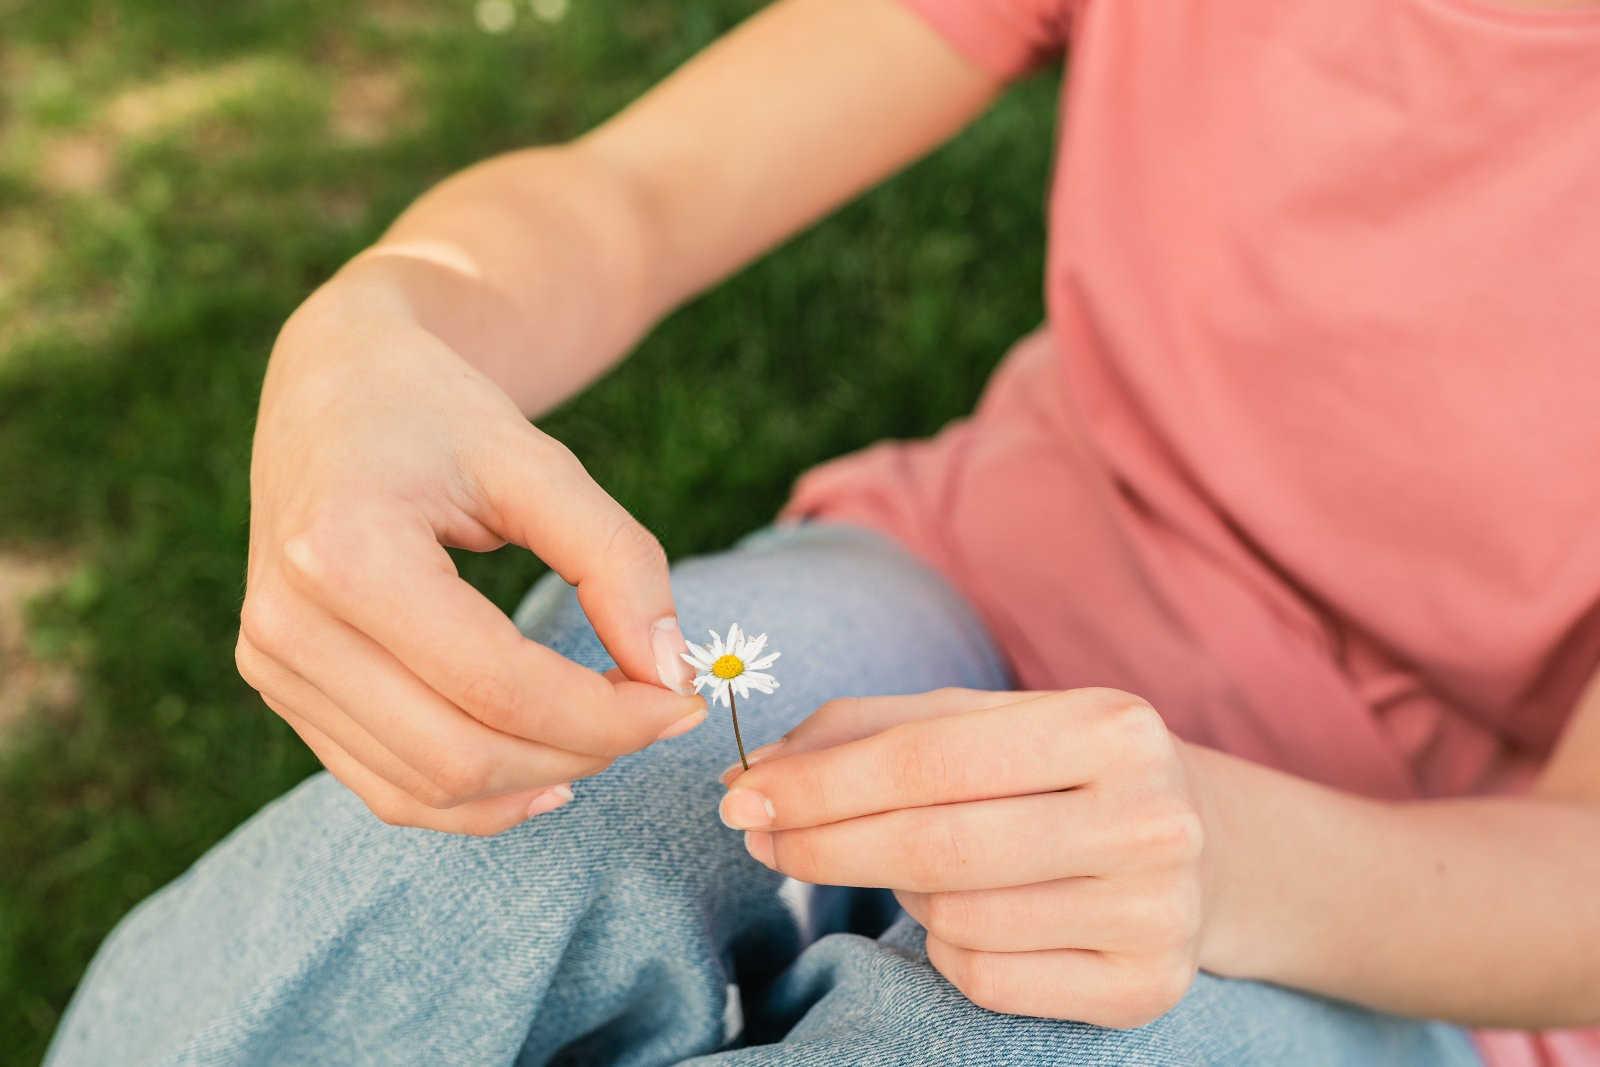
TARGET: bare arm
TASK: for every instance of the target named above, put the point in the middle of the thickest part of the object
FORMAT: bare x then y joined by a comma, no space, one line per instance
1480,910
393,417
1071,859
543,266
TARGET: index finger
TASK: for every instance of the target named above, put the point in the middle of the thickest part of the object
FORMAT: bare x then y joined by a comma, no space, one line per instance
1029,744
401,589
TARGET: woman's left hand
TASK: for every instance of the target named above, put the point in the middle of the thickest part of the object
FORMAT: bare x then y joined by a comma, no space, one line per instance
1049,842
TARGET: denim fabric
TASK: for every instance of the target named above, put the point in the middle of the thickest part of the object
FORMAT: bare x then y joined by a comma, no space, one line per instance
629,927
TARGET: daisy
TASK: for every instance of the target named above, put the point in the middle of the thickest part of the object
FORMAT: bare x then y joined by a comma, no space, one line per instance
732,668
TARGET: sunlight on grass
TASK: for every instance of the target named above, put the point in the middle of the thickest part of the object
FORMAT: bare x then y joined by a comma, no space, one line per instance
172,184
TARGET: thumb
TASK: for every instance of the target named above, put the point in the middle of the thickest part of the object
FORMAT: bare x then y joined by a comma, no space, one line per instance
538,495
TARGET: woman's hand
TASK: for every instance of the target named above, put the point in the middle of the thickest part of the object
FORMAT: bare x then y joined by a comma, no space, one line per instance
376,447
392,422
1049,842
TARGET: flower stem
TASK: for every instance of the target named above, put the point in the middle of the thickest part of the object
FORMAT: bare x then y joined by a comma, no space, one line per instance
734,709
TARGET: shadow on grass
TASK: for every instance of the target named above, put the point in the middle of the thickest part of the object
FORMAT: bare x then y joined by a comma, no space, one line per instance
124,438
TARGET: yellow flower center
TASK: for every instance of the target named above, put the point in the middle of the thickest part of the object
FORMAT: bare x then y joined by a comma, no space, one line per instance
727,667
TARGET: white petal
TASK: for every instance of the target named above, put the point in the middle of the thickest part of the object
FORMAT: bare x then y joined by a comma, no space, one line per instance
701,657
735,641
717,647
753,647
765,661
721,693
742,684
766,683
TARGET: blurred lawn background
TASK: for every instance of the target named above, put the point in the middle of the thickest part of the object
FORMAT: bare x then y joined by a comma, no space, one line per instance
175,175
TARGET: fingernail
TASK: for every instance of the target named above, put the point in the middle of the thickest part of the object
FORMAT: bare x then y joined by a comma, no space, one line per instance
764,751
745,809
759,846
666,644
550,800
756,756
683,725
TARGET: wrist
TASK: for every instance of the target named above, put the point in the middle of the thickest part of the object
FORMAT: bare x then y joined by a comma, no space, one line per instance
1252,927
383,299
1218,951
1281,868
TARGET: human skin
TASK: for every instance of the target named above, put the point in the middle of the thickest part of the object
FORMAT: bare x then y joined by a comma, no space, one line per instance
393,418
393,423
1071,858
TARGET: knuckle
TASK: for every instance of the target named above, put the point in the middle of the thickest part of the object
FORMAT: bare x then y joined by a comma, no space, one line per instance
809,779
1177,835
247,661
795,853
632,545
591,691
839,709
981,979
1164,986
264,623
493,699
1151,988
321,549
432,795
586,699
1174,983
1166,920
919,765
549,450
1139,731
950,917
932,848
459,779
389,810
268,623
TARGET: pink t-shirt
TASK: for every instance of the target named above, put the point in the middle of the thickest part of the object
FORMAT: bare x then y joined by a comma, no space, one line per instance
1308,453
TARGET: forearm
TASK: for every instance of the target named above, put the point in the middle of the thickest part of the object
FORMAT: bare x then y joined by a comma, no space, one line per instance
542,267
1481,911
529,266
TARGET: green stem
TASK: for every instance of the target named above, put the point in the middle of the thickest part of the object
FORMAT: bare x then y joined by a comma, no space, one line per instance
734,709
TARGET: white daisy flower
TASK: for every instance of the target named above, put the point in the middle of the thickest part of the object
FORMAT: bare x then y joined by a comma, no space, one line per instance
733,667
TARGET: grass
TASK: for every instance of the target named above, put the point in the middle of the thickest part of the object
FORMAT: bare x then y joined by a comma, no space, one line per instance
175,176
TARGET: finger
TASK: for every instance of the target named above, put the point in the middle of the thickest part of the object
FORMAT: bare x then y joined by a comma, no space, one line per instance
399,587
1087,987
281,687
1101,914
851,718
463,758
1035,744
540,496
481,818
983,845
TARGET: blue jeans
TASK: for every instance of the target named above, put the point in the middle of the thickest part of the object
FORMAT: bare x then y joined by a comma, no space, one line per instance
629,927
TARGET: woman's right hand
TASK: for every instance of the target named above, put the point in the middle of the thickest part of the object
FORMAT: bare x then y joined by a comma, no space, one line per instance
377,446
378,443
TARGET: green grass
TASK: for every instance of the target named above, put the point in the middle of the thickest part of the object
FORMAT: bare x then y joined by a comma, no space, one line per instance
137,308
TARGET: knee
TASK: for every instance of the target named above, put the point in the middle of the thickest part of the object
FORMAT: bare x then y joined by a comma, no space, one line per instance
652,813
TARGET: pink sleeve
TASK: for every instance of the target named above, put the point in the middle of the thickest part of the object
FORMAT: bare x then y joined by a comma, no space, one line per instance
1005,37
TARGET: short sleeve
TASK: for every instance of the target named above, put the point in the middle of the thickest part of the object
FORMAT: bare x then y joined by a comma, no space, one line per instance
1005,37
